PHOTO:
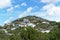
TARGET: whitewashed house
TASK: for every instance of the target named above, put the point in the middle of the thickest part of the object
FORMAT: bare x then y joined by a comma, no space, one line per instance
31,24
13,28
45,22
5,30
45,31
13,24
24,23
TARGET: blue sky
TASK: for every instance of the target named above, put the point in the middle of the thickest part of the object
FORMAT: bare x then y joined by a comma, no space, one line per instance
13,9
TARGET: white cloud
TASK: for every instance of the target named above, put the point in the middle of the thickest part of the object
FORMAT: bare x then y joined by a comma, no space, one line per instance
24,4
57,20
52,10
16,6
48,6
35,7
50,1
39,14
26,12
8,20
54,19
11,9
5,3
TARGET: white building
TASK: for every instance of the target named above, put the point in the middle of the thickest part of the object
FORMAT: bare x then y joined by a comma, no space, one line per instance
5,30
31,24
45,31
13,28
45,22
25,23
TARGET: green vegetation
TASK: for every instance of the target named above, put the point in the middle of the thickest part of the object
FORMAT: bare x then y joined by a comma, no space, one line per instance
30,33
37,21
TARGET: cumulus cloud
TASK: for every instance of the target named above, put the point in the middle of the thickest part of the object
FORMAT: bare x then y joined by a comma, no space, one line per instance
52,10
24,4
40,14
57,20
50,1
5,3
8,20
36,1
16,6
11,9
26,12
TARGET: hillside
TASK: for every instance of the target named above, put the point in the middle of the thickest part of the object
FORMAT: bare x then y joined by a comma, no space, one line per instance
30,28
38,21
31,19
